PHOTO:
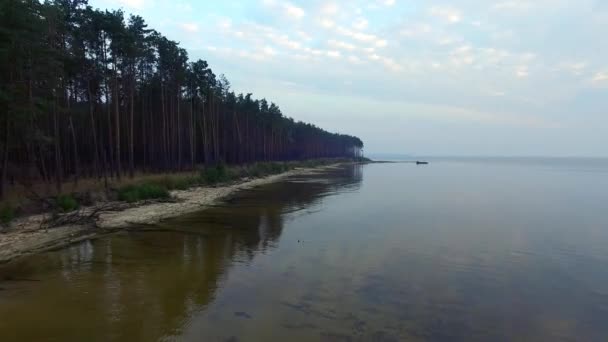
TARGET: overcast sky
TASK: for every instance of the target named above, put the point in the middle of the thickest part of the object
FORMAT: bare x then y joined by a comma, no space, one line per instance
458,77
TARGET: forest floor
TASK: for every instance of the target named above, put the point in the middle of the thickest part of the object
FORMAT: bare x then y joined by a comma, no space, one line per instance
29,235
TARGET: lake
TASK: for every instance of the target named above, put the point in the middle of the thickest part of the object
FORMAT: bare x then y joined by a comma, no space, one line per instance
496,249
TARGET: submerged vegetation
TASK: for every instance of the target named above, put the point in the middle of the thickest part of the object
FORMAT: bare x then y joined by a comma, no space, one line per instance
89,94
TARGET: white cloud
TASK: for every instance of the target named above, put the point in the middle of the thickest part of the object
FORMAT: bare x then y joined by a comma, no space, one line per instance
381,43
269,51
189,27
330,8
417,30
513,5
448,14
600,77
137,4
360,24
575,68
354,59
387,2
287,8
224,23
284,41
327,23
294,12
360,36
522,72
336,44
334,54
303,35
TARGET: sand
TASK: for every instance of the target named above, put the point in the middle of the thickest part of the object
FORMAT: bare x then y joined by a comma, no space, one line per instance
28,236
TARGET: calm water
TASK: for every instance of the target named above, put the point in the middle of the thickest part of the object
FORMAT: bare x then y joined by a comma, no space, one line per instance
487,250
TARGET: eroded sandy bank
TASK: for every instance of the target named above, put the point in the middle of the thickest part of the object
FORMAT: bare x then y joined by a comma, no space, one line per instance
28,236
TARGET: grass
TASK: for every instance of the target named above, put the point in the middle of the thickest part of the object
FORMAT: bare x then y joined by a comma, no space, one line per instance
158,186
67,203
141,192
7,214
176,182
217,174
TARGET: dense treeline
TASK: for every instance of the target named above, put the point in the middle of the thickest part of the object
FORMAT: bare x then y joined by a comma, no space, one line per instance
90,93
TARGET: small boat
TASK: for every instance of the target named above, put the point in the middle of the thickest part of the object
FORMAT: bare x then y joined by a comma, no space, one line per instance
422,163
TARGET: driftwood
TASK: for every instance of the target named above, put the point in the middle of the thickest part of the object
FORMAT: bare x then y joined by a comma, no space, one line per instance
89,216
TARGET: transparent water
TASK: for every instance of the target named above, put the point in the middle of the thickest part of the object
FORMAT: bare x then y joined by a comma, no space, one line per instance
461,249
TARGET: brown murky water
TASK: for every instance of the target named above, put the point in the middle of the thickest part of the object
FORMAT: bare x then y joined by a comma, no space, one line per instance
459,250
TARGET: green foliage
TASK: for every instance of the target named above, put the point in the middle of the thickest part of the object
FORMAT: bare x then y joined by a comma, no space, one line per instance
217,174
67,47
7,214
176,183
140,192
67,203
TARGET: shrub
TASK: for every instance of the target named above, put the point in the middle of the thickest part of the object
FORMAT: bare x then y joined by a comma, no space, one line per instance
175,183
67,203
136,193
217,174
7,214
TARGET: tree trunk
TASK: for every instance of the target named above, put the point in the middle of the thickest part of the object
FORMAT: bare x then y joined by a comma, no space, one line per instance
131,131
117,122
58,168
7,141
93,131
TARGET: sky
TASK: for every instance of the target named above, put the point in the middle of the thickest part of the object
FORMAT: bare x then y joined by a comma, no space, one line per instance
432,77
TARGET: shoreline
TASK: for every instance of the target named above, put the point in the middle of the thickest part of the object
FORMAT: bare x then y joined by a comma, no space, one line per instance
29,237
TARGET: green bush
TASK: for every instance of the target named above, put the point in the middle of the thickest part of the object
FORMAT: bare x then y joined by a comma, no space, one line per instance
7,214
67,203
217,174
136,193
176,183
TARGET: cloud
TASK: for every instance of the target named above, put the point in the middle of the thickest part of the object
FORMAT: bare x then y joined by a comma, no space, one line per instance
485,56
286,8
334,54
522,72
137,4
575,68
294,11
513,5
189,27
600,77
360,24
446,13
326,23
330,8
341,45
360,36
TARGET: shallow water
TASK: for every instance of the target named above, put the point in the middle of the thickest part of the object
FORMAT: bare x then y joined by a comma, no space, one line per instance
457,250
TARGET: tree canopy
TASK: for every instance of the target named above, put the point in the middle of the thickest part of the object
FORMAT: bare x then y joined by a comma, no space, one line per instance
91,93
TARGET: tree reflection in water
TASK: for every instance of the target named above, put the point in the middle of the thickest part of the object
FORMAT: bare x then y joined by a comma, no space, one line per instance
147,285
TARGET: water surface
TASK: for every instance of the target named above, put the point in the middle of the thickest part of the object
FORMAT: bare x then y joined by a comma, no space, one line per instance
459,250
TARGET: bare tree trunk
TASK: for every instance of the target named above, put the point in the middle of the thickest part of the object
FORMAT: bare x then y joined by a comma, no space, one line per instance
74,143
131,131
205,140
93,131
179,133
192,161
7,141
117,122
58,168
